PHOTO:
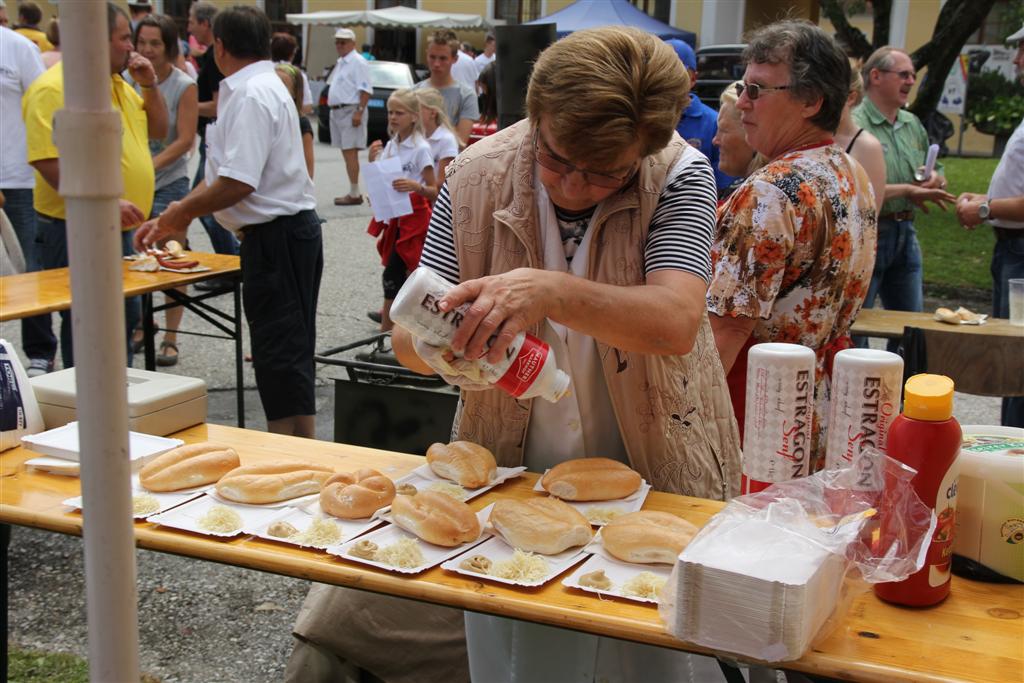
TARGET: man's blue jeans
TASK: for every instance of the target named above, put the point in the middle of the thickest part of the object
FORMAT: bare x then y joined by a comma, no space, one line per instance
53,252
1007,262
37,338
897,277
222,239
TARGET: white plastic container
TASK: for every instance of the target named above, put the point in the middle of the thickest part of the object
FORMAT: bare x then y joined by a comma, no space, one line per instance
528,369
779,412
990,501
865,399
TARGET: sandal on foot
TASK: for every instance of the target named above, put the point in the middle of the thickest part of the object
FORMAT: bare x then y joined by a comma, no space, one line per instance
164,359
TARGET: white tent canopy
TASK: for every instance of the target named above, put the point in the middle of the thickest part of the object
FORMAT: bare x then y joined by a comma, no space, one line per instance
393,17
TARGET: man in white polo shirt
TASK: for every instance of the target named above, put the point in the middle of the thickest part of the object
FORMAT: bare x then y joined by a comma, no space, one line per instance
349,92
256,185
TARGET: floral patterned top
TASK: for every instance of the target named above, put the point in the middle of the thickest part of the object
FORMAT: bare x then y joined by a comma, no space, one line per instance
795,249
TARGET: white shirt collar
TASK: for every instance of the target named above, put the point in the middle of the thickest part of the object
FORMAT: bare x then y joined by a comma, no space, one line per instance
236,80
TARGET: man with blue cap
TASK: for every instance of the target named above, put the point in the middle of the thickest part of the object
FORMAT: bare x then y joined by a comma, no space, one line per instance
699,122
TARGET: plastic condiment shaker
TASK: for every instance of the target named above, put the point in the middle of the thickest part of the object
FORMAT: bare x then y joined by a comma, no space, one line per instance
927,437
865,399
528,369
779,411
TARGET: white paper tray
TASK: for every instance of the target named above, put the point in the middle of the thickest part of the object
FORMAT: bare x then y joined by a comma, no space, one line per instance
62,442
51,465
433,555
496,550
423,478
630,503
619,572
301,518
168,500
186,517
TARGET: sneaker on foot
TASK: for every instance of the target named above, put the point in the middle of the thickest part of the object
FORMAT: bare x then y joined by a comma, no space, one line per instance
39,366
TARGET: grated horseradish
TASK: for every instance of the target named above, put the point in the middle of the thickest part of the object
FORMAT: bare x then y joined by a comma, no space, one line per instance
144,504
220,519
644,585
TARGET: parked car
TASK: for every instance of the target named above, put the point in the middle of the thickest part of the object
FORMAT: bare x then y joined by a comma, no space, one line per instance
717,67
385,78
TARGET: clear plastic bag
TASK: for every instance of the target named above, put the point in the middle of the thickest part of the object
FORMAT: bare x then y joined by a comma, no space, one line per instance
765,575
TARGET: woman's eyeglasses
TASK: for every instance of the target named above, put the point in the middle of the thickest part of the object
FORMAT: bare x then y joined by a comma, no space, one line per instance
754,90
564,168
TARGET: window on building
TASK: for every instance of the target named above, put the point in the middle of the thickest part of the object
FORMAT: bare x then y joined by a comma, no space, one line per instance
385,4
516,11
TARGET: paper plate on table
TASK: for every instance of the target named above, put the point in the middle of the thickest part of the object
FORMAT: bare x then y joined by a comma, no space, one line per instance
619,573
62,442
600,512
164,501
51,465
433,555
302,517
424,479
186,517
497,550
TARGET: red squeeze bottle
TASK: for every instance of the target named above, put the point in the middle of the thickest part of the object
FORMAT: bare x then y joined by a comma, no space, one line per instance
927,437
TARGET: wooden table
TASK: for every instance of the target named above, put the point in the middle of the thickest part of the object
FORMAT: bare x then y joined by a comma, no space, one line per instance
49,291
975,635
878,322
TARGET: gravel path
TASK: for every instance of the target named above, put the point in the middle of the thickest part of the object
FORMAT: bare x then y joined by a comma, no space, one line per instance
199,621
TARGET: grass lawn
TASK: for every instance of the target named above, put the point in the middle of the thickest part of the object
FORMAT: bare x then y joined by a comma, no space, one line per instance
30,666
954,258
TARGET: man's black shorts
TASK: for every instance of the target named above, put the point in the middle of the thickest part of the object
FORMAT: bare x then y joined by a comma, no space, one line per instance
282,262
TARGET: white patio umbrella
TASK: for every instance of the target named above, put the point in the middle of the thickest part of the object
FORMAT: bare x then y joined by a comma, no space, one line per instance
88,134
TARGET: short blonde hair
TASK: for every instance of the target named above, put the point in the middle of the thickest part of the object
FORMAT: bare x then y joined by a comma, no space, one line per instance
406,98
432,99
614,86
727,105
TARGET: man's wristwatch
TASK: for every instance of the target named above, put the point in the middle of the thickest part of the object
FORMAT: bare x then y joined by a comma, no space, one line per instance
361,107
984,211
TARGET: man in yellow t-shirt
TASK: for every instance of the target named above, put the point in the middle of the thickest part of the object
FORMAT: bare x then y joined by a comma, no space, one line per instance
29,18
142,118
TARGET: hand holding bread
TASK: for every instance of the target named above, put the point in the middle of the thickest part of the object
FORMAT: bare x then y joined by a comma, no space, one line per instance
436,518
540,525
356,495
272,482
187,466
464,462
647,537
588,479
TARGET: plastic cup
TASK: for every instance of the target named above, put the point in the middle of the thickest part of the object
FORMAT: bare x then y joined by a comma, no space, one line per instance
1017,301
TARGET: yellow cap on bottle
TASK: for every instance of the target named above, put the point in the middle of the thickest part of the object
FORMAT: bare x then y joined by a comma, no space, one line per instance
928,397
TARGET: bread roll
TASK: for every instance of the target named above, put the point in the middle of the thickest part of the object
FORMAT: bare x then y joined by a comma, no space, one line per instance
272,482
436,518
356,495
464,462
591,479
647,537
540,525
187,466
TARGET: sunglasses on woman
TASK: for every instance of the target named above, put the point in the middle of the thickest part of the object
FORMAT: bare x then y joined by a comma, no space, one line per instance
754,90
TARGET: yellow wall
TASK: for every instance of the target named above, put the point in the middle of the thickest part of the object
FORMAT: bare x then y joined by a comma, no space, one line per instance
761,12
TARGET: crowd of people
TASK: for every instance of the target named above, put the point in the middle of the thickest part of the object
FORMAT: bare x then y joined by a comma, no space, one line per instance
650,263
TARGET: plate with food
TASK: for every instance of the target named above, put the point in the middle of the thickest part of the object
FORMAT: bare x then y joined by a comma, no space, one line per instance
606,576
273,484
496,560
426,529
462,469
146,503
600,488
298,526
211,517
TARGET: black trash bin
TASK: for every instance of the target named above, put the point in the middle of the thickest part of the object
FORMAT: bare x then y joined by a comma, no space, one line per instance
384,405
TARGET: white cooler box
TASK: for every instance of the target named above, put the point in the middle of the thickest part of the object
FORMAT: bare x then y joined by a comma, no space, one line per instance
158,403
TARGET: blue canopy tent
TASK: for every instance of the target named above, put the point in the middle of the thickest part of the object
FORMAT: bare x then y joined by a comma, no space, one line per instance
594,13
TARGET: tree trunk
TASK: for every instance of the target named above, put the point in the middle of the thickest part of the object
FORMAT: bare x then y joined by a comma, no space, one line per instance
854,39
956,22
883,15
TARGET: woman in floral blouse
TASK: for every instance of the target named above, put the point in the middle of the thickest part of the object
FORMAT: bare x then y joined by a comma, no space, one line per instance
795,245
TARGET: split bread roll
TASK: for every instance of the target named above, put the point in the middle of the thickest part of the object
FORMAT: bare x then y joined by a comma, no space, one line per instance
587,479
356,495
540,525
436,518
272,482
187,466
464,462
647,537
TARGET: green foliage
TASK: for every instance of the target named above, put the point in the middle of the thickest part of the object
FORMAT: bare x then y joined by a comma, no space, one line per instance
956,259
31,666
995,105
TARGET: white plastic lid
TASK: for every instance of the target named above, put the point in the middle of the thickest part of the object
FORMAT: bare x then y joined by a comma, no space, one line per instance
993,452
872,357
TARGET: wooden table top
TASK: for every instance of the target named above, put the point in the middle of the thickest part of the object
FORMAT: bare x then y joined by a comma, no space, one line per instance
975,635
878,322
46,291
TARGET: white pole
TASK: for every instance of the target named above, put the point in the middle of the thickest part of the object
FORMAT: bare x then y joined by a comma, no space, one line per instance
88,135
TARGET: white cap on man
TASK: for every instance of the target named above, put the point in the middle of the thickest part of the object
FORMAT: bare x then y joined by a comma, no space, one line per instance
345,34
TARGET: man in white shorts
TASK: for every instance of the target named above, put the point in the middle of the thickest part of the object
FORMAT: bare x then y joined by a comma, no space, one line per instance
349,92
